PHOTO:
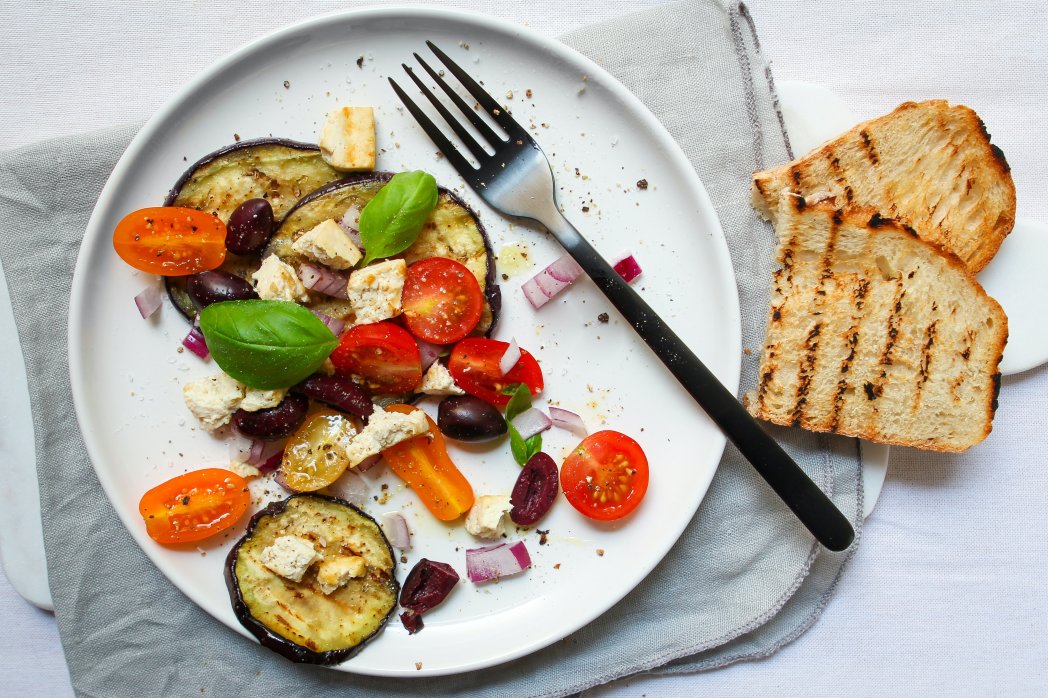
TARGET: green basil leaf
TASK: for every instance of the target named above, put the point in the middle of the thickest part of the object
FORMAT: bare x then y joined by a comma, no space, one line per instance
520,401
266,344
517,447
392,220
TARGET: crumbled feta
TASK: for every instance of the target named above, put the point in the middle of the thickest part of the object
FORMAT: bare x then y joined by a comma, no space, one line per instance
255,399
328,244
384,429
438,381
335,572
213,399
375,291
347,141
244,470
275,280
290,557
485,517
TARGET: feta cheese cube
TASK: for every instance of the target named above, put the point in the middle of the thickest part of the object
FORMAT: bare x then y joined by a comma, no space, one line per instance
328,244
244,470
347,141
485,517
275,280
290,557
213,399
255,399
375,291
385,429
438,381
335,572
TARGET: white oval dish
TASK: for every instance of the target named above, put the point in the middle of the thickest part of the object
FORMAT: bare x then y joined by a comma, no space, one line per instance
127,373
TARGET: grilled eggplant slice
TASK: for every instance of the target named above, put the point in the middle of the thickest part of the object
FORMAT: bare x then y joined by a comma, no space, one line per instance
276,169
452,231
296,619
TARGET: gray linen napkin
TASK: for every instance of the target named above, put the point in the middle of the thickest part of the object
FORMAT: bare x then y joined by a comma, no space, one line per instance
743,579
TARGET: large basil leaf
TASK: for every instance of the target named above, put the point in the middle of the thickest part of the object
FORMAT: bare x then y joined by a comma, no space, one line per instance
520,401
266,344
393,219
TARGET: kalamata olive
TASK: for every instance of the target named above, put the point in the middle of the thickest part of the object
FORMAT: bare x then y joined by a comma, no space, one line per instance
274,423
339,392
535,490
468,418
209,287
427,584
250,227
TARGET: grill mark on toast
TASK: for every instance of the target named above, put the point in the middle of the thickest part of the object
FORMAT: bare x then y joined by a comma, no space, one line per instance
804,377
930,333
795,175
766,378
871,152
876,389
842,382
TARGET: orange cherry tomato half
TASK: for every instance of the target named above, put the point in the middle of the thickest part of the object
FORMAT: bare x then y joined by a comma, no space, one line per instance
194,506
423,463
383,354
442,300
606,476
171,241
474,364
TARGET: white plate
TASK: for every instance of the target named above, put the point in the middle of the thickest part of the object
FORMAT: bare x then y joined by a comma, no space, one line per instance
127,373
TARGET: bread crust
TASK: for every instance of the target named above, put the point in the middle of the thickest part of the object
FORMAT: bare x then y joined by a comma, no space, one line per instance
927,164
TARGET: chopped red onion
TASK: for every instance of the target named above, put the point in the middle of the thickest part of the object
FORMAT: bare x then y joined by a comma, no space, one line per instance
149,300
565,269
428,353
627,268
240,449
540,288
351,219
510,358
395,526
530,422
195,343
495,561
368,463
350,487
333,323
567,420
350,223
323,280
272,463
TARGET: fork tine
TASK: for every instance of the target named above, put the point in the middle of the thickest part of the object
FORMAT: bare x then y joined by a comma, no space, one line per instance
487,101
493,138
462,133
447,147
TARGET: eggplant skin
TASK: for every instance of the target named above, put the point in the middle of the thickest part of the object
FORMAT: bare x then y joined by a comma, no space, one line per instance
270,639
280,170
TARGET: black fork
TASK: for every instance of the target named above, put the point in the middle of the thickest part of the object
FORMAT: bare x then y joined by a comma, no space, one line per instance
517,180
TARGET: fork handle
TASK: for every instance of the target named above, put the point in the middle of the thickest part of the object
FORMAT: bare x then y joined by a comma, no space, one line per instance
814,509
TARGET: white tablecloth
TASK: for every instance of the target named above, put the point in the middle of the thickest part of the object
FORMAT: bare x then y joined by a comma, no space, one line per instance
947,594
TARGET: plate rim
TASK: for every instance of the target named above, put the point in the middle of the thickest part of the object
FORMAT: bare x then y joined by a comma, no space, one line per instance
471,20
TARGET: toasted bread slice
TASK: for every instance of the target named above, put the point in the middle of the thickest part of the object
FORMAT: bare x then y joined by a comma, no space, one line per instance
876,333
928,165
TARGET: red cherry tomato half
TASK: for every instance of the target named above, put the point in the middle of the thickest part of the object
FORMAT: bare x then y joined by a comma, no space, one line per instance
383,354
171,241
474,364
194,506
442,300
606,476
